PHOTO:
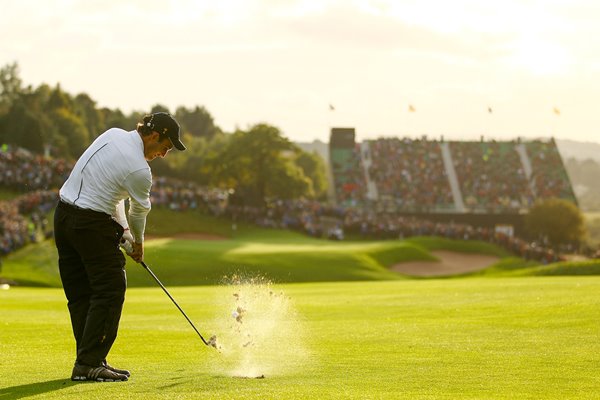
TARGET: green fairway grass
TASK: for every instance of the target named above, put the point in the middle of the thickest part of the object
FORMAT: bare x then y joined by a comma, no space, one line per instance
504,338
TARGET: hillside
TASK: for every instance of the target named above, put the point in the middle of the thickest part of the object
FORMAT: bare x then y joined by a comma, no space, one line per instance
578,150
182,256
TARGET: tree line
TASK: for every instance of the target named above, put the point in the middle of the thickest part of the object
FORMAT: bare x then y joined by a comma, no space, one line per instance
255,163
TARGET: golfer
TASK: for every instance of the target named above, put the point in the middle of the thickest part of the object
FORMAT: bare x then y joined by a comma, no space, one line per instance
89,224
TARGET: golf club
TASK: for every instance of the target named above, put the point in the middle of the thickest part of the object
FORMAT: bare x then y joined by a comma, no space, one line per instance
212,340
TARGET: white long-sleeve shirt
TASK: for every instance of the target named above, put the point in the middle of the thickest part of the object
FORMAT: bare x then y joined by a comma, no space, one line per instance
112,169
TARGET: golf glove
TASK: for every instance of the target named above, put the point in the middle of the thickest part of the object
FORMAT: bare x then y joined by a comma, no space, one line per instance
127,241
127,236
125,245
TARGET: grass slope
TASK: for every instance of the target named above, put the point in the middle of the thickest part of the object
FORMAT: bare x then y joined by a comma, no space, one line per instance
286,258
591,267
33,265
410,339
282,256
461,246
190,262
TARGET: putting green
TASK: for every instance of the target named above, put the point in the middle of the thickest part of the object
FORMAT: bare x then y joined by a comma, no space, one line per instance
474,338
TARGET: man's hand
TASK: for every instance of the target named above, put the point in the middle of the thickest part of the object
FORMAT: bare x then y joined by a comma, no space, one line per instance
138,252
132,249
127,236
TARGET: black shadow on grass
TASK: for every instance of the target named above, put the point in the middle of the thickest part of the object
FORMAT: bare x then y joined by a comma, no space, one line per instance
34,389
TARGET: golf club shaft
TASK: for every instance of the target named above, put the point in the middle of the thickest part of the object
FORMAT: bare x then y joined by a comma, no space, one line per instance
173,300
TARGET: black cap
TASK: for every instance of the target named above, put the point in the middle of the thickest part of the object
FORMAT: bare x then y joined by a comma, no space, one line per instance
165,124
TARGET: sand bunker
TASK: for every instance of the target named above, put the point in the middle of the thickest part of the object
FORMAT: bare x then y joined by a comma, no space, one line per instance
450,263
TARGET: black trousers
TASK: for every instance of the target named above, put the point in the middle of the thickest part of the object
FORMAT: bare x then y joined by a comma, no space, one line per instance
92,270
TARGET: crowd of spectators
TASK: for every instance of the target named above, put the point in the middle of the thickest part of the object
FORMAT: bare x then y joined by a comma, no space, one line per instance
549,176
24,219
177,195
491,176
24,171
411,173
311,217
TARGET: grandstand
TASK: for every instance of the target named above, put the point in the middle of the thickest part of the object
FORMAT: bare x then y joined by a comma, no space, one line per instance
477,182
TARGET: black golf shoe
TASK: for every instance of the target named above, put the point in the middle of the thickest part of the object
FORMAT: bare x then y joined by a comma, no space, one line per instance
117,370
96,374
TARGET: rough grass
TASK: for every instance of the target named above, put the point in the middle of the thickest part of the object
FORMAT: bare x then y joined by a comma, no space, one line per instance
505,338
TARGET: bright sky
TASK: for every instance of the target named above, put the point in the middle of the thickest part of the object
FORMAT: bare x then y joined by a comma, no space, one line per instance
536,64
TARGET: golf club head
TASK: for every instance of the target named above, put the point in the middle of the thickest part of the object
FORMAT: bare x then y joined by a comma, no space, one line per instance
212,341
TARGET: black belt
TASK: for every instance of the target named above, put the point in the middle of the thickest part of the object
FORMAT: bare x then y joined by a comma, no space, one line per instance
73,209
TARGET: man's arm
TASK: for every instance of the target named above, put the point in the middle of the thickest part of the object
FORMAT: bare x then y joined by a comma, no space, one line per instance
122,220
138,186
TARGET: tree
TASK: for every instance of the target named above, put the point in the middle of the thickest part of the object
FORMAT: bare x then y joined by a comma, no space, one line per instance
116,119
23,128
313,167
71,136
557,220
92,118
11,86
257,163
159,108
197,121
287,181
59,99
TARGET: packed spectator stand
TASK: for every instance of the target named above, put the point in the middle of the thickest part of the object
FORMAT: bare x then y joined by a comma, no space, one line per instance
409,174
462,177
491,176
549,175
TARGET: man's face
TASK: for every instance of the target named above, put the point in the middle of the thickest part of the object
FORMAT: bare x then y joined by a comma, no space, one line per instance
157,147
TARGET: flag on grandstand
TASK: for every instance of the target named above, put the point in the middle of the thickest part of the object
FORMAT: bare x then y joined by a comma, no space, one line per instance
556,111
411,108
331,107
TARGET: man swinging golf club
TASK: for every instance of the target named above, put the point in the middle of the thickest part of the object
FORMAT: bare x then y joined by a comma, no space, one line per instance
89,224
